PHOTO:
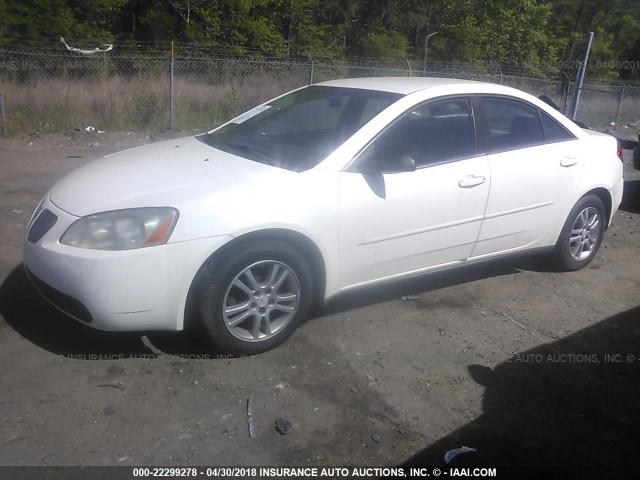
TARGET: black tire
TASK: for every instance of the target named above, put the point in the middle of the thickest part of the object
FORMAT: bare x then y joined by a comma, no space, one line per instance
636,158
564,258
215,290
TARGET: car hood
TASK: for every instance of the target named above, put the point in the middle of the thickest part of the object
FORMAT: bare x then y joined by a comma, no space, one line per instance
160,174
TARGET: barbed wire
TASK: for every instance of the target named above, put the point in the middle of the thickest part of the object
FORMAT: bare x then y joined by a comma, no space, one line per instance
602,72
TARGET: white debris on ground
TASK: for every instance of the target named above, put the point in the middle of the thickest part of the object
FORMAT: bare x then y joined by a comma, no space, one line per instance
624,132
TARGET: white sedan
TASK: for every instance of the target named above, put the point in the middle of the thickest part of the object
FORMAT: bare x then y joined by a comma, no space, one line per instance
331,187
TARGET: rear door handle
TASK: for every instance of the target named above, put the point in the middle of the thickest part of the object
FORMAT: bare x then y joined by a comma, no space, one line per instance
568,161
472,181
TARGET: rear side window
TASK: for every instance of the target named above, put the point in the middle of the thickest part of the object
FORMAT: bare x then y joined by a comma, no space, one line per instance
512,124
553,131
434,133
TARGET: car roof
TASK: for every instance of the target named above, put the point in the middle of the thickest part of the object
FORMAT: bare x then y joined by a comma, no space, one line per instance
402,85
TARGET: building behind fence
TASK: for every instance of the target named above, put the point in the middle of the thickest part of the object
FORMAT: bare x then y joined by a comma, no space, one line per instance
195,89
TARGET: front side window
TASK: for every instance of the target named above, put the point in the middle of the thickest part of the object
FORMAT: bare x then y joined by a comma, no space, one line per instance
299,130
512,124
438,132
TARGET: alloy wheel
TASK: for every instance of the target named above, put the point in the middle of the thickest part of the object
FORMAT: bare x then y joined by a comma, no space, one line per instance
585,233
261,301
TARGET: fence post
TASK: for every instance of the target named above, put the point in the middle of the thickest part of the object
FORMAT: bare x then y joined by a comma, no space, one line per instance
3,114
171,123
311,69
619,104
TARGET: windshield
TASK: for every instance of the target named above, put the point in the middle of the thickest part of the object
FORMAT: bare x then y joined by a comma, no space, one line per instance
302,128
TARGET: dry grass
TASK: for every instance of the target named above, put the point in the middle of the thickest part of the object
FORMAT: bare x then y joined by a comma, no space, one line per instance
202,105
119,103
599,108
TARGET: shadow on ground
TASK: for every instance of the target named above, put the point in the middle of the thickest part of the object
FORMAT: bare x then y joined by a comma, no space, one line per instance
32,317
571,402
36,320
437,280
631,197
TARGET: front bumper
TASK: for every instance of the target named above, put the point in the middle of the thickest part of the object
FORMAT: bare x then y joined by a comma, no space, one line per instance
142,289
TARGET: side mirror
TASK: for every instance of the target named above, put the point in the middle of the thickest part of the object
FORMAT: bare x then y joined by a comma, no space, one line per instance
387,161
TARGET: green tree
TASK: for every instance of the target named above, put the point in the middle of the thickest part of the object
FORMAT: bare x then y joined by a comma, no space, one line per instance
528,36
35,22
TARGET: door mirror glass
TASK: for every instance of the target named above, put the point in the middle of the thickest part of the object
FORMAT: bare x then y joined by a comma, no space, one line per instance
387,161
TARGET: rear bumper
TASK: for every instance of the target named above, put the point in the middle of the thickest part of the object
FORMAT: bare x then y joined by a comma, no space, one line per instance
616,194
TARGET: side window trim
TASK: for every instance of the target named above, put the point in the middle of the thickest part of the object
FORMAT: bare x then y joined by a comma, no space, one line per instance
481,124
352,165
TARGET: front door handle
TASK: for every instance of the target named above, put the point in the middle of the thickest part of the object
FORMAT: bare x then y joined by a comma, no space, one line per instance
568,161
472,181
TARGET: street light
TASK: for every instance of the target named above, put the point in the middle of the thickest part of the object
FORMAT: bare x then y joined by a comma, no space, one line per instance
426,44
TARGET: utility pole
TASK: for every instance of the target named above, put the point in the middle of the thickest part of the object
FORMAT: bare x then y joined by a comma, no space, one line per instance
426,40
426,46
580,79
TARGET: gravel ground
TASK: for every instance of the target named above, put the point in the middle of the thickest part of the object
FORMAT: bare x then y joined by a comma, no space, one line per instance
526,365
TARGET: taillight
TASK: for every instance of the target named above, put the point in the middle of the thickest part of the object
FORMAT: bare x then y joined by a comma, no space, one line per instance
619,152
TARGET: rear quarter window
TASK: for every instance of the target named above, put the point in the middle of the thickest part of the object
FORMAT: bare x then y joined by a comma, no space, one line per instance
553,131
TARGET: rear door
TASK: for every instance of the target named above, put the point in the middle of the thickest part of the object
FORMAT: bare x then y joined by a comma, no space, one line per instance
535,168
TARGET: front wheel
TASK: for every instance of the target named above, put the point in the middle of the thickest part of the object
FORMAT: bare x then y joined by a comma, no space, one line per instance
581,235
253,299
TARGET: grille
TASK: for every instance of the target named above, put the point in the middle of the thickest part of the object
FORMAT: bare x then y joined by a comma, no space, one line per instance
41,226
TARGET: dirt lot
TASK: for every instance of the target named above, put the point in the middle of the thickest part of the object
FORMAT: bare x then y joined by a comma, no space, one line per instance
526,365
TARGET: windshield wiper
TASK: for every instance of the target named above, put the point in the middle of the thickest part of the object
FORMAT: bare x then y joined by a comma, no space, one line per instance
214,142
242,147
238,148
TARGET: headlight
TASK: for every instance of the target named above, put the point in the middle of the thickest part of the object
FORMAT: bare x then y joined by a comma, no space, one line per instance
122,229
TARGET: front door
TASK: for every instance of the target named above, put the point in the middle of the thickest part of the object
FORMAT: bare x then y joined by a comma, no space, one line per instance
393,224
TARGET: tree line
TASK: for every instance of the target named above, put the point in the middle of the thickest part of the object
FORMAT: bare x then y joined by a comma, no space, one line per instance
535,35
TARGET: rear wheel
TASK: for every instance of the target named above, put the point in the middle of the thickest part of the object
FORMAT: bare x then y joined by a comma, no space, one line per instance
253,299
581,235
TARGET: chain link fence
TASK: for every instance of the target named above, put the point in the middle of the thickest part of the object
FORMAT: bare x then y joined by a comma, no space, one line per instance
603,105
191,88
